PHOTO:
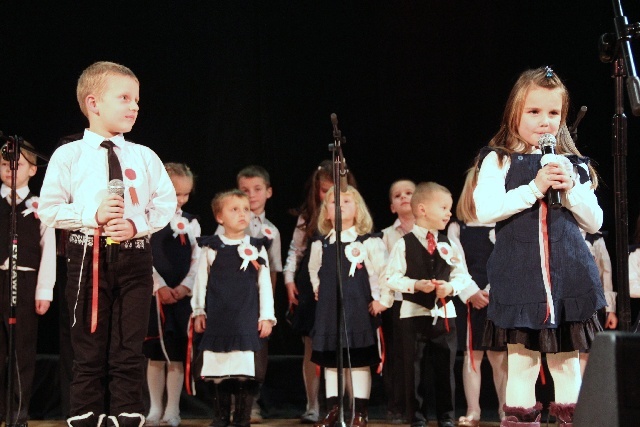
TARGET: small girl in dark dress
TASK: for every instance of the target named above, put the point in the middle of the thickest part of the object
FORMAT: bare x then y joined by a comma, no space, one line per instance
175,256
545,285
365,296
233,308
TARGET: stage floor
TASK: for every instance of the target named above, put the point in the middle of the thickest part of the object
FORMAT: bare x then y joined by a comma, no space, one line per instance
265,423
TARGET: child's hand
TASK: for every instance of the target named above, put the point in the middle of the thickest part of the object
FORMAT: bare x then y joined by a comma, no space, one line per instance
376,308
264,326
292,293
119,229
200,323
554,176
180,292
443,289
480,299
111,207
612,321
165,295
42,306
423,285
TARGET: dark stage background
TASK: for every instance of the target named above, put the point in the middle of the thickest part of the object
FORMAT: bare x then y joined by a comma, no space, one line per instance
418,87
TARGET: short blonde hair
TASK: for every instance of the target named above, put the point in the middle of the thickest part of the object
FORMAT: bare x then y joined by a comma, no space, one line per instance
93,80
218,201
424,190
396,182
363,220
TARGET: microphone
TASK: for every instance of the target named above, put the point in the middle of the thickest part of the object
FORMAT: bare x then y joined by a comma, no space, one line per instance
8,149
547,143
343,170
115,186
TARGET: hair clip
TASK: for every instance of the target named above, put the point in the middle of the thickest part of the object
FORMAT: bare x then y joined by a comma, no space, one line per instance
548,72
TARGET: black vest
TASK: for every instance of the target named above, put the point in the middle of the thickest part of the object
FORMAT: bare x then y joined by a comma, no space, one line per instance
422,265
28,229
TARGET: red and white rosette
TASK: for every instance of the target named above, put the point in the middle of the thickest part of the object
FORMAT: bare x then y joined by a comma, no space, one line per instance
180,227
132,181
268,231
248,253
356,253
32,206
448,254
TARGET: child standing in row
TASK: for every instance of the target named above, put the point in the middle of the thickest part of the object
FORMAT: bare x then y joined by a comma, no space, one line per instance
175,261
476,240
36,275
428,270
108,297
255,182
545,286
400,195
364,297
233,308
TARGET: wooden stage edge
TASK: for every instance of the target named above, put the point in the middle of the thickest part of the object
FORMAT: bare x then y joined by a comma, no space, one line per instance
266,423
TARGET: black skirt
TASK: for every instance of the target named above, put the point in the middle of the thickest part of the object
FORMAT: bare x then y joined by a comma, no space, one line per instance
569,336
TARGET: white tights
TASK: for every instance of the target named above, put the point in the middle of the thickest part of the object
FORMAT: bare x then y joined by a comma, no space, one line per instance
159,375
472,380
358,378
524,367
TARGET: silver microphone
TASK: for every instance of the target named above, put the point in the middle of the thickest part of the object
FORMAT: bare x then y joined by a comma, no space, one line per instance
115,186
547,143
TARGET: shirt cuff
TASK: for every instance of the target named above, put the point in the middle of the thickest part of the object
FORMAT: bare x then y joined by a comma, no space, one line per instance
534,189
44,294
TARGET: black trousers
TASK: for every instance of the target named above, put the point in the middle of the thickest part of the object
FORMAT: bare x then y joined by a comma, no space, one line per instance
25,333
430,353
108,365
393,370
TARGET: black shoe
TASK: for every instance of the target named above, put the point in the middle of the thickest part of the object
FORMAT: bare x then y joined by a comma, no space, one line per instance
446,423
22,424
126,419
86,420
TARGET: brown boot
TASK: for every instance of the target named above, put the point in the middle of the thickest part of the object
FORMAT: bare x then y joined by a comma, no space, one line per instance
360,415
563,413
516,416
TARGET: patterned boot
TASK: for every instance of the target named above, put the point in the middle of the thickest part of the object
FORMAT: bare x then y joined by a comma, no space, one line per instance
563,413
521,417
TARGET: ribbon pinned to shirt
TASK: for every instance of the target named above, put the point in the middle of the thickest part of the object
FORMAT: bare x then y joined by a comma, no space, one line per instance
248,253
356,254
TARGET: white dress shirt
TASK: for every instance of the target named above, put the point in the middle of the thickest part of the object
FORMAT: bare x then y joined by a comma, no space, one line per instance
296,252
390,236
397,280
634,274
47,270
603,261
76,183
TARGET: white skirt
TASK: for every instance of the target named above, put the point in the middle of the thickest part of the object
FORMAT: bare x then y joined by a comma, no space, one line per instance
234,363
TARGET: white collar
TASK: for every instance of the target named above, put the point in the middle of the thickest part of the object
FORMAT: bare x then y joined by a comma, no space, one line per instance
260,217
422,232
22,192
228,241
94,140
348,235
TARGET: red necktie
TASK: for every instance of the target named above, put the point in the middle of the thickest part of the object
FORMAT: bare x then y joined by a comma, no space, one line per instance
431,243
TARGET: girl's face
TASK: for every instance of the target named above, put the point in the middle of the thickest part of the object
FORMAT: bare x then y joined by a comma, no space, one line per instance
234,216
183,186
323,187
347,210
541,114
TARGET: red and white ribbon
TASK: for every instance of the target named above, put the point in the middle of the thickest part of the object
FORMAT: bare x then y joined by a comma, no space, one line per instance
356,253
248,253
131,180
180,227
448,254
32,206
267,231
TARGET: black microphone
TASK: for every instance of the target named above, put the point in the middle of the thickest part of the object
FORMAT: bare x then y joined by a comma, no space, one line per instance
8,149
547,143
344,170
115,186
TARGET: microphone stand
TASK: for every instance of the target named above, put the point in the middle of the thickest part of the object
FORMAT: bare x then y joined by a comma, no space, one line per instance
338,165
11,152
616,48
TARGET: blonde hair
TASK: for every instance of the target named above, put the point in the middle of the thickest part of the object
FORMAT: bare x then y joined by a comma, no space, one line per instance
507,140
93,80
180,169
466,207
218,200
424,190
362,221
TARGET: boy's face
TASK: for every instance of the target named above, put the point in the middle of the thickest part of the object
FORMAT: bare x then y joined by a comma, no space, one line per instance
401,193
234,216
258,192
183,186
116,110
435,212
25,171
